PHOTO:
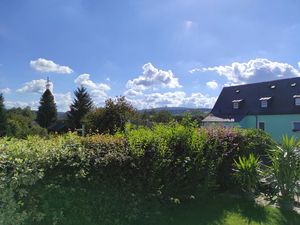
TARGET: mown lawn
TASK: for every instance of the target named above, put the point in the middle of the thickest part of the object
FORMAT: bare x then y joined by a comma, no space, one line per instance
88,208
224,210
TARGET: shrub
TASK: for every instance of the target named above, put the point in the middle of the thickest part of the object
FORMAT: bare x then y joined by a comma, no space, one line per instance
42,178
167,157
284,171
224,145
247,172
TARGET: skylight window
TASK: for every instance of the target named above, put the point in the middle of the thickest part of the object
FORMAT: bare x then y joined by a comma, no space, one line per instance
272,86
293,85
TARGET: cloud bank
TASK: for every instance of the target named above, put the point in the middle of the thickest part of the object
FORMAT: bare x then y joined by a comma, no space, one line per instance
255,70
172,99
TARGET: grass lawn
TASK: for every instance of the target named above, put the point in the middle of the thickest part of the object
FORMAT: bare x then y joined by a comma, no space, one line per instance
224,210
88,208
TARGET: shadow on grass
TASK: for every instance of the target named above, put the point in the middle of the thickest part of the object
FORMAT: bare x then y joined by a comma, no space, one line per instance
220,210
215,210
252,211
93,204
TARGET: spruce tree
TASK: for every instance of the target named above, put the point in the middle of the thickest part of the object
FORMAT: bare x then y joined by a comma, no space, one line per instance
3,119
47,112
81,105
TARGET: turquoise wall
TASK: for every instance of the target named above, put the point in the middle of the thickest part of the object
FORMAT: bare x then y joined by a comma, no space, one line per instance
275,125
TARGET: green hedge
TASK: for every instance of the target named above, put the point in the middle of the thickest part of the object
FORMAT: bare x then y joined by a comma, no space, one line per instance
115,178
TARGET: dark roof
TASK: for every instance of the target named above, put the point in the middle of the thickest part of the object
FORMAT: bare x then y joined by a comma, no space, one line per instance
280,95
58,126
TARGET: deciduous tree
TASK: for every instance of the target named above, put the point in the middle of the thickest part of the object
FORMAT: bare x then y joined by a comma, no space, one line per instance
112,117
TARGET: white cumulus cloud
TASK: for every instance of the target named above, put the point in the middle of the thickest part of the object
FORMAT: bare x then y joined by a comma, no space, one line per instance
63,101
48,66
35,86
84,80
172,99
201,100
153,78
255,70
212,84
5,90
97,90
132,92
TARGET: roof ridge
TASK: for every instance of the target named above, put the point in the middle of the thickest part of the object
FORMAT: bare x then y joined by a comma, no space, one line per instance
278,80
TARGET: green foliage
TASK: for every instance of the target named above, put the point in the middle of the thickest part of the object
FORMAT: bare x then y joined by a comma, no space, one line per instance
225,145
81,105
93,121
162,116
187,120
111,179
111,118
20,123
47,112
3,120
284,171
247,172
150,117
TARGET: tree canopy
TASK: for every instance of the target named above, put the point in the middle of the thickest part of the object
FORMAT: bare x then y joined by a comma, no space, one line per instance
112,117
20,123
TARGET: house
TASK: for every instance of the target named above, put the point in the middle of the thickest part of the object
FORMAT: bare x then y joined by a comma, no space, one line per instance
273,106
59,126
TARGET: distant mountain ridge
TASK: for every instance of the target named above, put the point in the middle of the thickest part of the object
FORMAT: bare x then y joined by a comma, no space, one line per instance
179,110
175,111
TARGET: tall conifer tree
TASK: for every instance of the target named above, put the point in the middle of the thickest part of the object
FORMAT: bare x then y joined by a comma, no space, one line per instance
3,119
47,112
81,105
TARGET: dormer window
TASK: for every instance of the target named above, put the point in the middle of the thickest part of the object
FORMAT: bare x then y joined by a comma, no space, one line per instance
297,100
264,102
236,103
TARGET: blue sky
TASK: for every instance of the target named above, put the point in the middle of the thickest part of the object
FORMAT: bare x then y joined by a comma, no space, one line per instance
156,53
